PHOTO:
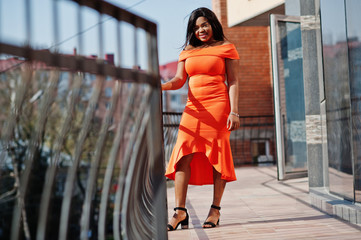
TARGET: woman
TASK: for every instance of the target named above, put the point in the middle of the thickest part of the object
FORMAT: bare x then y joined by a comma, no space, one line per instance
202,154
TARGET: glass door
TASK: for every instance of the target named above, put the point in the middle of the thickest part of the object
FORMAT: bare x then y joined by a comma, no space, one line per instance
288,96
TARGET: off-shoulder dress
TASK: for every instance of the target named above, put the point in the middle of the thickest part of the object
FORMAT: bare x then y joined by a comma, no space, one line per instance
203,129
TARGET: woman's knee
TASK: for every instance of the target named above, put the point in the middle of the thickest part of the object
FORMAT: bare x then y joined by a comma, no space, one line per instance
185,161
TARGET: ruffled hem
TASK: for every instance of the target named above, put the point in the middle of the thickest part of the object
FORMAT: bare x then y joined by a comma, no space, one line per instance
204,159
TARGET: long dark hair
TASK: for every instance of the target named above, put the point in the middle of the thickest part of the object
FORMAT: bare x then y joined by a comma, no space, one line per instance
217,29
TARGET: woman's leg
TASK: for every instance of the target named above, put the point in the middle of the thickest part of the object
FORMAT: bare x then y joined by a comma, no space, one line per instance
182,176
218,189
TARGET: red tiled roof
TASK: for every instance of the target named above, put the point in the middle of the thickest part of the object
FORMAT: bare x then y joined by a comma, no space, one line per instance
168,71
331,51
6,64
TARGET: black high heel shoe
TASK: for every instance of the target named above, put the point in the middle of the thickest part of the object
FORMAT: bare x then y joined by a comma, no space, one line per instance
210,223
184,223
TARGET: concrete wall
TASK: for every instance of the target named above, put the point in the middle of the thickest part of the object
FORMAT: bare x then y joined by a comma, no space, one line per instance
239,11
314,93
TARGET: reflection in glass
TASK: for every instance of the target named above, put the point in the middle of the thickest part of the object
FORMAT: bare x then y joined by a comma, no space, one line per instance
12,17
337,92
76,154
353,9
42,24
292,97
67,34
56,106
91,24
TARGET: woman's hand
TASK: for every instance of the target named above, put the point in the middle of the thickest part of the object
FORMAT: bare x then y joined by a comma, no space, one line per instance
163,86
233,122
178,80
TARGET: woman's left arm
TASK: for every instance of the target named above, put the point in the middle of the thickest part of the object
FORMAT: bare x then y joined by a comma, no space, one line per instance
232,65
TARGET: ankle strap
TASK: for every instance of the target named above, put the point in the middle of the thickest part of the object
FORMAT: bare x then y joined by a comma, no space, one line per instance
180,208
215,207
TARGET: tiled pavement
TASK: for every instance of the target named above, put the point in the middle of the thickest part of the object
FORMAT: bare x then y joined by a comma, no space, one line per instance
257,206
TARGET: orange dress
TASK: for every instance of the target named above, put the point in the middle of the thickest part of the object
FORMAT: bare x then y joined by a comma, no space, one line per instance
203,127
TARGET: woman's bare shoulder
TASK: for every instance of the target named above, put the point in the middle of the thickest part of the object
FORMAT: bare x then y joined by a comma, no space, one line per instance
226,42
189,47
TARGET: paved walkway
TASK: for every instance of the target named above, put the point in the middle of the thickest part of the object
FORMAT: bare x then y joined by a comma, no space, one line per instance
257,206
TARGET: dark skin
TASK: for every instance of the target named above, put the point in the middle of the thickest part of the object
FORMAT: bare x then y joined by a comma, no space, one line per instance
203,32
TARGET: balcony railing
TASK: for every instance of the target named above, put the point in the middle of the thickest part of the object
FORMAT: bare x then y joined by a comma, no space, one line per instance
171,122
252,143
80,151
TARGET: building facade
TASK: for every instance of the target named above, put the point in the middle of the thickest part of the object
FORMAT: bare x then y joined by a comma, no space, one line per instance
316,85
254,141
173,101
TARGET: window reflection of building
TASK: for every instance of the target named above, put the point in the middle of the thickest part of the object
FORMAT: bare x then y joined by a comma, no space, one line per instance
331,42
173,101
341,56
292,95
354,45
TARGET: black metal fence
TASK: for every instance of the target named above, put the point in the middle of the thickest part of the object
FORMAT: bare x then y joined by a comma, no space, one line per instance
171,122
81,139
252,143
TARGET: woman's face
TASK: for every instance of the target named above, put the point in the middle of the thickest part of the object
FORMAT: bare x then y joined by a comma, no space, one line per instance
203,30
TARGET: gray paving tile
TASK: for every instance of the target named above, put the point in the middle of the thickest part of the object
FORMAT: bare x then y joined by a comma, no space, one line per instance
257,206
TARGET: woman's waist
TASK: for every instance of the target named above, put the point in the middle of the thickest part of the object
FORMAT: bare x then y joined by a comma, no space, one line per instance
215,93
206,80
210,98
208,102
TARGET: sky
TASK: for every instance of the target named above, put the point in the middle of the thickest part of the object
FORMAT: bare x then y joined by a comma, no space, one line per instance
171,17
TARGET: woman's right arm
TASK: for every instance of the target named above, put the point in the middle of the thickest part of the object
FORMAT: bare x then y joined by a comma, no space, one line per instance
179,79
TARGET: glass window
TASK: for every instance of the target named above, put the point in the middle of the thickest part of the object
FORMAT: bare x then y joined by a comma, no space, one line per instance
174,98
108,92
337,92
353,10
107,105
287,55
292,97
